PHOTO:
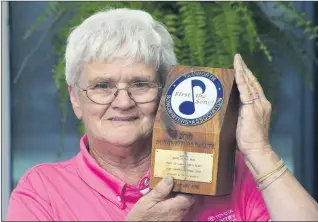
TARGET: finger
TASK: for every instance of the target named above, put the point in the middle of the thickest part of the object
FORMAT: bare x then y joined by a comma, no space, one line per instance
241,80
180,204
254,93
161,190
261,104
252,79
182,201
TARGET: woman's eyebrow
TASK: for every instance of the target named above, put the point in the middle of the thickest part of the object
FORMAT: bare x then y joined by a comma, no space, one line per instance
142,78
98,80
133,78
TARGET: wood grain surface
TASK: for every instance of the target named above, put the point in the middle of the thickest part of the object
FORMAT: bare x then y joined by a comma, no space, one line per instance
215,137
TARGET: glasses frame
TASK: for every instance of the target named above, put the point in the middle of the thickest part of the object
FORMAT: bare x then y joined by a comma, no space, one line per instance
159,87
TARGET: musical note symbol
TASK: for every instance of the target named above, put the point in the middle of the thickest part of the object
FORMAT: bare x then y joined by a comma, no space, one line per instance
188,107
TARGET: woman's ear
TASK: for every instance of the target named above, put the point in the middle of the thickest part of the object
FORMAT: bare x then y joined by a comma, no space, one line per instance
76,104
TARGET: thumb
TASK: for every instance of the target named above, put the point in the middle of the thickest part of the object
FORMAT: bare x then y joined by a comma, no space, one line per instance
161,190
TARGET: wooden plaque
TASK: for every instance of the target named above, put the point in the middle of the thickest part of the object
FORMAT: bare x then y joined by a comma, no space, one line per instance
194,131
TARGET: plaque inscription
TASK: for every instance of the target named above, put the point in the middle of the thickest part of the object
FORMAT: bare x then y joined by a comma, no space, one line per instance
191,166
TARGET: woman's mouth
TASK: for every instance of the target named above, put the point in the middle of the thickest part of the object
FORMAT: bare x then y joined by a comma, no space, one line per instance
123,119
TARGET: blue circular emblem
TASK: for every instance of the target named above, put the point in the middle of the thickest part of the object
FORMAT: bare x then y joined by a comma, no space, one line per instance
194,98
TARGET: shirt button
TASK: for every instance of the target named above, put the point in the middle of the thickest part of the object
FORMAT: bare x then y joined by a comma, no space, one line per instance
146,181
118,198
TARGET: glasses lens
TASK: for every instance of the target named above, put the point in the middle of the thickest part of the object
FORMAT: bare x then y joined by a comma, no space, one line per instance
142,92
101,95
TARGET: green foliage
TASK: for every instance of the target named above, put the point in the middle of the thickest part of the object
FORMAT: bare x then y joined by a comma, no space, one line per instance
299,19
205,34
51,9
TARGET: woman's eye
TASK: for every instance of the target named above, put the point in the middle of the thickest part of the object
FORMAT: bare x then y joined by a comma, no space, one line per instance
142,85
103,85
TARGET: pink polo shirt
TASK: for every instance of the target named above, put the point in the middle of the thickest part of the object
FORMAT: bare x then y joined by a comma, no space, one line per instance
79,189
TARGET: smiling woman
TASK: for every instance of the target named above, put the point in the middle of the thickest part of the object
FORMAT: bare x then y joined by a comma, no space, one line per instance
116,64
132,110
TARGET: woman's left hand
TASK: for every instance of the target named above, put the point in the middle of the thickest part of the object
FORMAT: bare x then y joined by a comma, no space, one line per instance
254,114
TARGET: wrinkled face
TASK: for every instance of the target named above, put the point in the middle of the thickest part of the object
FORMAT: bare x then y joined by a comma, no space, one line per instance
122,122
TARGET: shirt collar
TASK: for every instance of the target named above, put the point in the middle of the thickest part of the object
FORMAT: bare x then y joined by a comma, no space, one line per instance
111,187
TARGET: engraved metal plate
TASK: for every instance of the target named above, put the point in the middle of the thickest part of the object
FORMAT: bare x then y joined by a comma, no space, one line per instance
181,165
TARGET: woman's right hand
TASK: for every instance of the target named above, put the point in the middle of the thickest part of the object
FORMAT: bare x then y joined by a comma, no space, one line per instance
158,206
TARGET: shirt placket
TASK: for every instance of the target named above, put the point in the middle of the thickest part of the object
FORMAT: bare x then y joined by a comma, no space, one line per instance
131,194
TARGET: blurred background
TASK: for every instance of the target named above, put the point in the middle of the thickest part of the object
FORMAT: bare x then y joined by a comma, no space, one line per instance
277,40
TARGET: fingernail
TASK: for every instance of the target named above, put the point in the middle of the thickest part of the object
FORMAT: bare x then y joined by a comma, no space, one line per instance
241,60
168,180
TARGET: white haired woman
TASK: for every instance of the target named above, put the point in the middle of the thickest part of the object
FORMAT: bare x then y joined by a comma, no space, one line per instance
116,62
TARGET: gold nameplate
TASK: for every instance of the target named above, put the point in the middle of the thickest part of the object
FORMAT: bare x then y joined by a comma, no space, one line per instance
182,165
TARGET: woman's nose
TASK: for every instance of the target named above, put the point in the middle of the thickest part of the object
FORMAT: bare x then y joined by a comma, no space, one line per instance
122,99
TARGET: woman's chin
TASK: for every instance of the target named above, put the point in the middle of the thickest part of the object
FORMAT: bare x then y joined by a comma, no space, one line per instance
123,134
122,138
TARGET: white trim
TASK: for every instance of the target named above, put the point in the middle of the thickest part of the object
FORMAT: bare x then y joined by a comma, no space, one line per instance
5,109
145,191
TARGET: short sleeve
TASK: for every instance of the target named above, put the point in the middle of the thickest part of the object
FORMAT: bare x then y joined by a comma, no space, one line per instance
250,202
29,200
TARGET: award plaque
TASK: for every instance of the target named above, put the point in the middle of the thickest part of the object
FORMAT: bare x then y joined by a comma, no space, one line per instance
194,131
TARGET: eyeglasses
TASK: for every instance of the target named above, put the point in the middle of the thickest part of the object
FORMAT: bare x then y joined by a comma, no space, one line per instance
104,93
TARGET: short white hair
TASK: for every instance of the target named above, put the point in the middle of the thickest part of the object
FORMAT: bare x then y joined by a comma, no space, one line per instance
123,32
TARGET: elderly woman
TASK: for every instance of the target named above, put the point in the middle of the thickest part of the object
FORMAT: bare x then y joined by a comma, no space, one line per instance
110,58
